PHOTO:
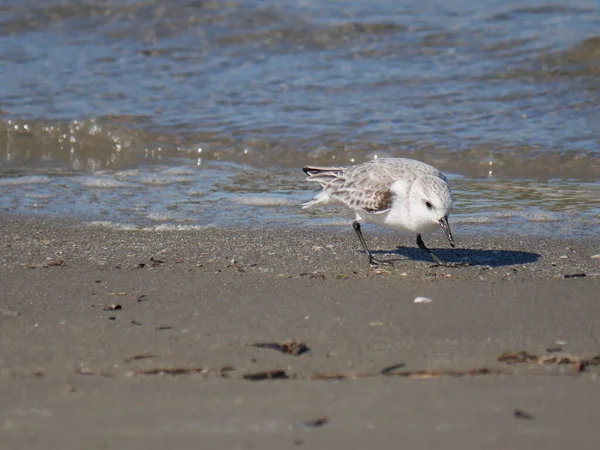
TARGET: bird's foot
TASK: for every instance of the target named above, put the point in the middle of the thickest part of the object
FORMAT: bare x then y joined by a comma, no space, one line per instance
376,262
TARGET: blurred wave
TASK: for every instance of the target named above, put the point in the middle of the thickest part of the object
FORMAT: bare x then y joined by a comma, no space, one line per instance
92,145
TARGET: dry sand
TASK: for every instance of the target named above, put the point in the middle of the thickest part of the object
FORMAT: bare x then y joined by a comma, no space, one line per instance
173,364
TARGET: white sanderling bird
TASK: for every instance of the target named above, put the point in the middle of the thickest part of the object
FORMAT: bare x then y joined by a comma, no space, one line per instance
398,193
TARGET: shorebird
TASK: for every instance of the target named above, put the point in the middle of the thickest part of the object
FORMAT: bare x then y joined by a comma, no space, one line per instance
398,193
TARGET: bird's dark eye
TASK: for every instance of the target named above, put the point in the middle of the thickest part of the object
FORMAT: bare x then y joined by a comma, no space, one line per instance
429,205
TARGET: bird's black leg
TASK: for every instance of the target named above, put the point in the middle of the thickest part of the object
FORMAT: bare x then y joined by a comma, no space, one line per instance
422,245
356,226
438,261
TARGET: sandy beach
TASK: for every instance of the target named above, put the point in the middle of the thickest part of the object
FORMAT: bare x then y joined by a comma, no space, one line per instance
275,338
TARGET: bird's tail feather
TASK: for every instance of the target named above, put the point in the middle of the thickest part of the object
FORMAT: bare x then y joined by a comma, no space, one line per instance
308,204
313,171
324,176
320,198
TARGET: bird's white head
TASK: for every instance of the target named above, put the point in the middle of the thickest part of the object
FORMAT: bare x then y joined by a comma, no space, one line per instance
429,204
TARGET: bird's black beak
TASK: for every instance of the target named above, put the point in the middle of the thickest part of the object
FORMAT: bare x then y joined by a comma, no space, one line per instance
446,227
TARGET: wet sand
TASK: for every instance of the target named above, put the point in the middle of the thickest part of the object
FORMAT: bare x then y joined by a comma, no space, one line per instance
143,339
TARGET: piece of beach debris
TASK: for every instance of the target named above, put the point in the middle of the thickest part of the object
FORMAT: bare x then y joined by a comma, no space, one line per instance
235,265
163,327
156,262
142,298
120,294
391,369
139,357
316,423
559,359
575,275
313,275
54,263
594,360
173,371
422,300
520,414
579,364
224,371
114,307
328,376
140,266
112,318
426,374
135,322
554,349
517,357
288,347
86,371
414,374
267,375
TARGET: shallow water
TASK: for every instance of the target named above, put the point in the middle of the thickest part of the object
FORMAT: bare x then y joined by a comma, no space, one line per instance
200,113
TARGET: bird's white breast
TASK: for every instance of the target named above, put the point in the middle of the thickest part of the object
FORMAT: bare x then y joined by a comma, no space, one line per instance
402,215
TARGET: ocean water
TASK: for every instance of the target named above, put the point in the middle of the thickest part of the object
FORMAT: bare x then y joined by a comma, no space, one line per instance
177,114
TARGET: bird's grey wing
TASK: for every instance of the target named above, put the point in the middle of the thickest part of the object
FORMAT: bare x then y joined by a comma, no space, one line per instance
374,185
368,186
364,190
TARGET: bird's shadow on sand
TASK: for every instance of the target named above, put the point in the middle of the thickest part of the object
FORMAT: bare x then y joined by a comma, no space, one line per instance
474,257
